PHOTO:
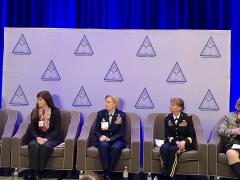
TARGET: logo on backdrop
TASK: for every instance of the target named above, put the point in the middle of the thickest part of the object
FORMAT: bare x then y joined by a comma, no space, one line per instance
84,48
19,98
210,50
209,103
176,75
113,74
51,73
144,101
82,98
146,49
21,48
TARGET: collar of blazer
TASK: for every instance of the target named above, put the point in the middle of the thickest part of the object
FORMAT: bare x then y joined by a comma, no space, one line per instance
114,116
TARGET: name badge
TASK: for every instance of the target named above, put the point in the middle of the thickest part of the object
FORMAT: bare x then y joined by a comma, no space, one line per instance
104,126
40,123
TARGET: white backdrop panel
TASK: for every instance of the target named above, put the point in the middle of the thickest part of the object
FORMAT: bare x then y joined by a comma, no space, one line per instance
203,70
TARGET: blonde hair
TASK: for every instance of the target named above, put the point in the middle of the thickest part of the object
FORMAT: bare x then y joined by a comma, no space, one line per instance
178,101
237,106
115,99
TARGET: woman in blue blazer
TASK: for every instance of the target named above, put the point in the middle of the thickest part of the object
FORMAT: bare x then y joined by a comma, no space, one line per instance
109,131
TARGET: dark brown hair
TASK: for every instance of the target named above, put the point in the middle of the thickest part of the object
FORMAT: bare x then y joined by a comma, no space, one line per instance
48,98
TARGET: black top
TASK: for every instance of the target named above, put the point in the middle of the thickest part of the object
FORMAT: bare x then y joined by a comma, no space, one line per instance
54,127
115,131
182,129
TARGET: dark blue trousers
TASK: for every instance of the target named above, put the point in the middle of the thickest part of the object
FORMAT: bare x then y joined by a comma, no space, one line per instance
39,154
168,156
109,154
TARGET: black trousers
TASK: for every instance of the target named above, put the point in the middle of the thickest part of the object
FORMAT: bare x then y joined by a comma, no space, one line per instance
39,154
109,154
168,157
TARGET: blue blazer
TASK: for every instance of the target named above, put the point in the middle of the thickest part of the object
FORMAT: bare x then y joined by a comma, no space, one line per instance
115,131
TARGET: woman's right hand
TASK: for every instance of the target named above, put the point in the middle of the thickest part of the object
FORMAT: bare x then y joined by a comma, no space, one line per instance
41,140
102,138
235,131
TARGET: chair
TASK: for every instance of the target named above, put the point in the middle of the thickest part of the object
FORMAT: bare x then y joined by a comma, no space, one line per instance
192,162
7,123
217,159
62,157
87,153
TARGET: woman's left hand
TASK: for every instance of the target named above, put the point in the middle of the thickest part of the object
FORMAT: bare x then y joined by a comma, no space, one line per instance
182,145
42,140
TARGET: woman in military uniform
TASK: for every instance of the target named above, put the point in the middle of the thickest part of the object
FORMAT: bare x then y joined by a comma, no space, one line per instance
230,131
179,135
109,132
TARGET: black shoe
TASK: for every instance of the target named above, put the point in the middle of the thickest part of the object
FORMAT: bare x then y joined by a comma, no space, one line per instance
28,177
164,177
107,177
37,177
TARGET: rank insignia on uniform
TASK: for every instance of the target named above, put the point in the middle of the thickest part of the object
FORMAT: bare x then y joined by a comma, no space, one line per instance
183,123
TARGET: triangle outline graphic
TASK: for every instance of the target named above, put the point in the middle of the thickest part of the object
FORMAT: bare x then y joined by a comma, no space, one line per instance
116,70
21,42
84,43
16,94
144,54
150,106
176,66
80,92
211,42
54,69
201,107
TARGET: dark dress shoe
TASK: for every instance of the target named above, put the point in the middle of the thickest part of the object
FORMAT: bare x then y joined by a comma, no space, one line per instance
37,177
28,177
107,177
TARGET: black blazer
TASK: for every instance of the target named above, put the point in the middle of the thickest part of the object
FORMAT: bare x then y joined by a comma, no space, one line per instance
54,127
183,130
115,131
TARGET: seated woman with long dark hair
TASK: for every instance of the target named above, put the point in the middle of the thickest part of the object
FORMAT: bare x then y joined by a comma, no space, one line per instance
44,130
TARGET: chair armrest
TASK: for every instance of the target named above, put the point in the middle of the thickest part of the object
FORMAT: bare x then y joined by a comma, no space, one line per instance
18,140
73,126
148,143
213,151
10,124
135,142
6,145
83,142
202,146
70,140
6,137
